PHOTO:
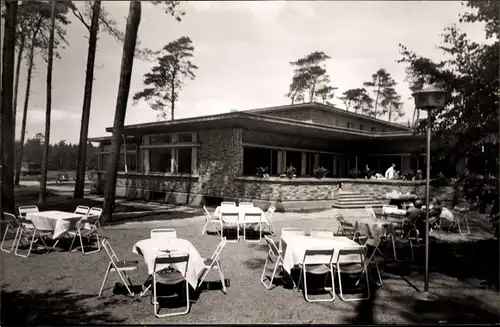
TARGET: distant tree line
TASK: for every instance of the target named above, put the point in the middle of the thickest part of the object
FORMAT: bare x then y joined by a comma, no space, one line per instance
62,156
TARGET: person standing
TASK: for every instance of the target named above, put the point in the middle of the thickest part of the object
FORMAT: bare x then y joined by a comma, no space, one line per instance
389,173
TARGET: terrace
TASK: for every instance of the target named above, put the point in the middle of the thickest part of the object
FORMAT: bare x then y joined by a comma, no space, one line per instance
61,287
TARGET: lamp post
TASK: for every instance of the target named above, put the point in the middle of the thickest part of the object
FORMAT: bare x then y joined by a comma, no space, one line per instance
428,99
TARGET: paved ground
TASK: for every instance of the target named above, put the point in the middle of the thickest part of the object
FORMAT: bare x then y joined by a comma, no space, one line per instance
61,287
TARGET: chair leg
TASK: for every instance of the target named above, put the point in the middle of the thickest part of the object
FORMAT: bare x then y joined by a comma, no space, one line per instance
344,298
128,285
156,303
98,245
30,246
204,227
104,280
215,227
72,242
332,293
3,241
263,276
222,279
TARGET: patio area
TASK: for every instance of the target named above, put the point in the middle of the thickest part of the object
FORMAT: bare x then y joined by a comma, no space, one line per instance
61,287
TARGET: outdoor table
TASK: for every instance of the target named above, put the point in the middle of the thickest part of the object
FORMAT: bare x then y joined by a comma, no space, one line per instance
59,222
241,211
296,245
395,212
399,198
152,247
374,228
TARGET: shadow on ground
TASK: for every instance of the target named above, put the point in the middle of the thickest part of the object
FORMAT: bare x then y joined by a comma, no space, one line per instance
466,261
464,310
51,308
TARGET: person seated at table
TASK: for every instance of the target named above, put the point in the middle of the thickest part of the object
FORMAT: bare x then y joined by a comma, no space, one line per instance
414,216
435,211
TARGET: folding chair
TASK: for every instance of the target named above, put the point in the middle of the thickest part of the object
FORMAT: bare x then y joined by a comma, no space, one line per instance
290,231
85,228
120,267
94,211
23,210
228,204
348,230
30,233
231,219
269,222
339,218
355,268
459,213
212,220
402,234
371,212
274,256
10,227
318,232
246,204
318,262
252,218
82,210
170,276
214,262
163,233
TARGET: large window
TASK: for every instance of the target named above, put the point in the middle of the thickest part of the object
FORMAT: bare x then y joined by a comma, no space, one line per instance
162,154
258,157
131,160
160,160
184,160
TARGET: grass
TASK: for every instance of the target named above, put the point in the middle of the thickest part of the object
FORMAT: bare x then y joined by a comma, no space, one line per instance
61,287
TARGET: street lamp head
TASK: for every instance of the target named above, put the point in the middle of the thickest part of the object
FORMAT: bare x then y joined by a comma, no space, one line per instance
430,97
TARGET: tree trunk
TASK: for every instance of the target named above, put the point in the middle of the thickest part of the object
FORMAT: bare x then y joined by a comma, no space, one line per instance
7,137
16,81
87,96
134,18
45,156
26,101
376,98
390,114
25,114
172,94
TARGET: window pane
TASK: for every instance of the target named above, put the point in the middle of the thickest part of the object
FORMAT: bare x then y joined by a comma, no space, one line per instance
185,137
159,160
160,139
184,160
131,162
294,158
255,157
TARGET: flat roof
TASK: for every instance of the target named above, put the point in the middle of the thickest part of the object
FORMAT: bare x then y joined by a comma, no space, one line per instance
247,120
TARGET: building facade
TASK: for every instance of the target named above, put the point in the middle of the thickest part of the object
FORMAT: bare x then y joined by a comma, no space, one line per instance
198,160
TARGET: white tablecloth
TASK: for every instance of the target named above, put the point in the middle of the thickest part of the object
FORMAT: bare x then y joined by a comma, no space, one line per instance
241,211
58,222
296,246
150,248
374,228
394,211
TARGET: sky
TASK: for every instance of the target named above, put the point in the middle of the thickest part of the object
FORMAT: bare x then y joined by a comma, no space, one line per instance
243,50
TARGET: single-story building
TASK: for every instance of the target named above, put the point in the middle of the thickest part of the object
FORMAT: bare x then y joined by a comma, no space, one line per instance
195,160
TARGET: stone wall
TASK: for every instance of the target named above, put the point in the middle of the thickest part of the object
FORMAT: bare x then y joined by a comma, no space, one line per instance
220,160
312,189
